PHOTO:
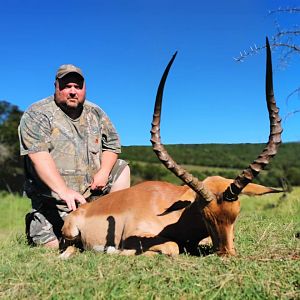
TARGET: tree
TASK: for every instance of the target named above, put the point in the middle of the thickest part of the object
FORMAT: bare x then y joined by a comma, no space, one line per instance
11,171
285,39
10,116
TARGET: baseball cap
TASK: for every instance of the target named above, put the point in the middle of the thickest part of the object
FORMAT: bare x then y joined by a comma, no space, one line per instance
63,70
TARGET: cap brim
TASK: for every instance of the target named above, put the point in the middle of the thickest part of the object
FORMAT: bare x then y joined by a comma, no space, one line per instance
69,72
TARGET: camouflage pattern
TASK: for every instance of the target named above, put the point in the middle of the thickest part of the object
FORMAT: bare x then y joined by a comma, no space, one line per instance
114,175
63,70
45,220
44,226
76,147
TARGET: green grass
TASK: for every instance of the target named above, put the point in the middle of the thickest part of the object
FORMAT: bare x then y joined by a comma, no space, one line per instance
267,265
12,211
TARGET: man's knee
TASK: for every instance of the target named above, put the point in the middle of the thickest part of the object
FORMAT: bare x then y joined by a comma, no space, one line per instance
40,231
125,177
123,181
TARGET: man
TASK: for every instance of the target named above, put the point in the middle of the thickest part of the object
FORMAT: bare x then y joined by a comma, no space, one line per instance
70,149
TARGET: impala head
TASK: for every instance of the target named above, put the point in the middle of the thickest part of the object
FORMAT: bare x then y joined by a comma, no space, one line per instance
218,197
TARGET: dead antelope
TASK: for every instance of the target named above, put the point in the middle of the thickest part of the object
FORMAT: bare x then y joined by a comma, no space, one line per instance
159,217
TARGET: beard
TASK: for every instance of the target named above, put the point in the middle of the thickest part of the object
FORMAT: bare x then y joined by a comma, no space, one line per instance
72,107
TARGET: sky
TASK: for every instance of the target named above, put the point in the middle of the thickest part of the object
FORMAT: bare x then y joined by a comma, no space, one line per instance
123,46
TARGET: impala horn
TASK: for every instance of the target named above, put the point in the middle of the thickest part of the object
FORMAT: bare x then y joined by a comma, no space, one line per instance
162,153
247,175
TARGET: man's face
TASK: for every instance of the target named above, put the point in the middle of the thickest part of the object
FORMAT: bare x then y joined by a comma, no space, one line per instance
70,92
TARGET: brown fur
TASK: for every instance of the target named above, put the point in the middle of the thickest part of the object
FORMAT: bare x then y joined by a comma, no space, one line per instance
157,217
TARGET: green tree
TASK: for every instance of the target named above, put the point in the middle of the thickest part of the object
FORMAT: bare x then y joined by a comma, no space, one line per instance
293,176
11,171
9,120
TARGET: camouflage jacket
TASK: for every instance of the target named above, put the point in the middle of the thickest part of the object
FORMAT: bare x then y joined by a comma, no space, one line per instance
75,145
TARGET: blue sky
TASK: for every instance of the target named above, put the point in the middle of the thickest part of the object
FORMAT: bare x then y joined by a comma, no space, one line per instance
123,48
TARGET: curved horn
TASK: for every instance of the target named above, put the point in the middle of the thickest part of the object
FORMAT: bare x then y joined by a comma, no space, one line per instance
247,175
161,152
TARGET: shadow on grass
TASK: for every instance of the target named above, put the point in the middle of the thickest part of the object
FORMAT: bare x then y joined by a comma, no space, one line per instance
200,250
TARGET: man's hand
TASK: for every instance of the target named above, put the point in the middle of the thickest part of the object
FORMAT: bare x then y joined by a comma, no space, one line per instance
71,197
47,171
100,180
101,177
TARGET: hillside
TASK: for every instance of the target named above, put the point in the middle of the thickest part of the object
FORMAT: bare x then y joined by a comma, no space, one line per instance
204,160
229,159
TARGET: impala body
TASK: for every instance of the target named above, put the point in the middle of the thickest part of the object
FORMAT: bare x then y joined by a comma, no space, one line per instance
159,217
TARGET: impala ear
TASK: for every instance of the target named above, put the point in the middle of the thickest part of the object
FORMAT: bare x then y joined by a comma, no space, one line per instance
218,184
253,189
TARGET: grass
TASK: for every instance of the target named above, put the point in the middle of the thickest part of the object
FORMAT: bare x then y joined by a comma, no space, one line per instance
267,265
12,211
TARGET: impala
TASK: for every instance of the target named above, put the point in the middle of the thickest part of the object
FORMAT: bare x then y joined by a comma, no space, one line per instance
160,217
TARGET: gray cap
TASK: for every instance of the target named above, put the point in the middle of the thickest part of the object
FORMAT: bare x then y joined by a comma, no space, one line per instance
63,70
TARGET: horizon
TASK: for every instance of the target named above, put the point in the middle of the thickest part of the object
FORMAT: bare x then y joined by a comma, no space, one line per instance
180,144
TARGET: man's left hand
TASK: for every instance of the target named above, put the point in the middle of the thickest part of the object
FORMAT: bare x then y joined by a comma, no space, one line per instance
99,181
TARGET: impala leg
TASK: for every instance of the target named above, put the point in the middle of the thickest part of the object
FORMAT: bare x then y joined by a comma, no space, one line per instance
69,252
206,242
168,248
128,252
148,244
150,253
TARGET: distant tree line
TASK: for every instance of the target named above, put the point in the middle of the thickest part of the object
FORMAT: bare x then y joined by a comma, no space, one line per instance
230,158
201,160
11,171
